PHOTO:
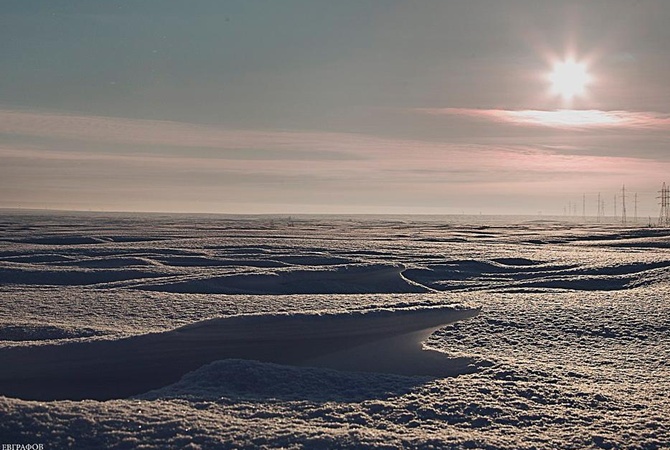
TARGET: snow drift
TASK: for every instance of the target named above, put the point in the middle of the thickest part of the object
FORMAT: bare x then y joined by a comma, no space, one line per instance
369,341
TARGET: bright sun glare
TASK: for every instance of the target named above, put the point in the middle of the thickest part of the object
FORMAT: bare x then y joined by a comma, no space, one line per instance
569,79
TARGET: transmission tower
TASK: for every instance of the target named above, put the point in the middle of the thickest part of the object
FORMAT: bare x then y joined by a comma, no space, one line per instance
623,204
664,217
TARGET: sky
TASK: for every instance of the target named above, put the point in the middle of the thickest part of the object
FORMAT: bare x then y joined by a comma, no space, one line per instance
354,106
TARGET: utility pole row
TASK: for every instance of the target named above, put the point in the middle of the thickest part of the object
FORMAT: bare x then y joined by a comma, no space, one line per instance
663,201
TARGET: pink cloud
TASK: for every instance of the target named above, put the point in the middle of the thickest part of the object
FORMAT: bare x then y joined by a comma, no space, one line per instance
378,159
563,118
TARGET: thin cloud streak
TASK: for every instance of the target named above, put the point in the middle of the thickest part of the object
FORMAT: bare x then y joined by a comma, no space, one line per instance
445,163
373,152
376,156
134,131
113,130
563,118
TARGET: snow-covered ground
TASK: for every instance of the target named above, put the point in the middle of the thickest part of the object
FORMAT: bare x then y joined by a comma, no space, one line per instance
569,350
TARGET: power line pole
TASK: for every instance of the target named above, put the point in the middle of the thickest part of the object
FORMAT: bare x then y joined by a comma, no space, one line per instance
623,204
664,216
584,207
615,216
636,207
599,208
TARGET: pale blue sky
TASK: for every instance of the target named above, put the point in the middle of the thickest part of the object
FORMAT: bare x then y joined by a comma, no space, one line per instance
315,106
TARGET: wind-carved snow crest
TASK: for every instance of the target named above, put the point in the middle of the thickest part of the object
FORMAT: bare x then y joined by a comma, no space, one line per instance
369,341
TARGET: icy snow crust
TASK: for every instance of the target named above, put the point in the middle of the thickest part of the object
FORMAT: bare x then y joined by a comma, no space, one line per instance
570,348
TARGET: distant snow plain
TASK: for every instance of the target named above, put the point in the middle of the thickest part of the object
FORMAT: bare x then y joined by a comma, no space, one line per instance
173,331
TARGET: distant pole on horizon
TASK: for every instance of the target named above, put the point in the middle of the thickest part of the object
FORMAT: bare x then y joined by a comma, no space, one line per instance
615,200
664,216
598,208
635,218
584,207
623,204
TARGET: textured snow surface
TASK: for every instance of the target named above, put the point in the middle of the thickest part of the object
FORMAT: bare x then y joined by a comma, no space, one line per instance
572,341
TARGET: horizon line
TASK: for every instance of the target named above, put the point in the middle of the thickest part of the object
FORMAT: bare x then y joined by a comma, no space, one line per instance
304,214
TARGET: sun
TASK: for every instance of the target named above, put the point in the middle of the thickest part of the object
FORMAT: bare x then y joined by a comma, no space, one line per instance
569,79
